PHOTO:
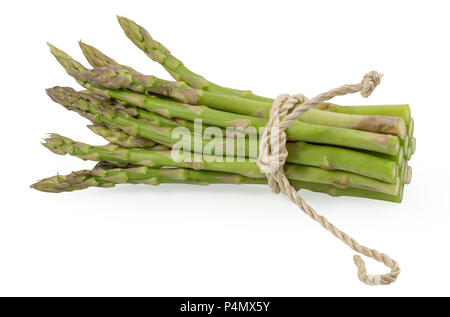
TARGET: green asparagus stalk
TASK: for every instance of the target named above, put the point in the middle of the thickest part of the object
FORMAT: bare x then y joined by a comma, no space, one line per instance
408,175
373,123
405,145
326,157
330,158
411,148
398,159
352,192
66,183
409,153
411,128
160,147
405,173
93,107
97,59
150,117
113,153
402,172
110,176
117,77
157,52
105,176
413,145
118,137
337,158
124,109
402,111
298,131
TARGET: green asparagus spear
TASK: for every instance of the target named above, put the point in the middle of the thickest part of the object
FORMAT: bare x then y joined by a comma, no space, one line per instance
175,67
411,148
157,52
98,59
413,145
151,117
405,145
95,108
354,192
326,157
117,77
113,153
402,111
411,128
408,175
298,131
109,176
116,136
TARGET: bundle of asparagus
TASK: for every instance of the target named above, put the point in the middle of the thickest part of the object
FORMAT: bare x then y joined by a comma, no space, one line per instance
197,132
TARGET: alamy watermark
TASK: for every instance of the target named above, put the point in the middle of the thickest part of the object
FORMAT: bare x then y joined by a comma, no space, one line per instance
213,144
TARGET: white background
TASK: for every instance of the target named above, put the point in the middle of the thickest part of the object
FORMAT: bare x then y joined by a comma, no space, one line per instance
222,240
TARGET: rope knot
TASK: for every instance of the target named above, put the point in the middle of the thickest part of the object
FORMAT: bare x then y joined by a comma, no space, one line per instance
273,141
369,82
286,109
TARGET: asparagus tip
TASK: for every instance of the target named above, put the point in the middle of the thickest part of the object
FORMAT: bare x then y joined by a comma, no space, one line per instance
83,45
122,18
55,51
123,21
42,187
59,94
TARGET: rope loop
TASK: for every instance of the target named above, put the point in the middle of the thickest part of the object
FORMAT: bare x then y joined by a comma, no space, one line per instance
285,110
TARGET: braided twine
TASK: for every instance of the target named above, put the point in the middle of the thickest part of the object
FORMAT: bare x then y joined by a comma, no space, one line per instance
285,110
